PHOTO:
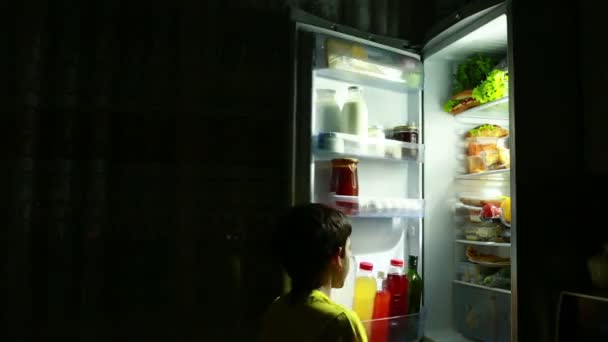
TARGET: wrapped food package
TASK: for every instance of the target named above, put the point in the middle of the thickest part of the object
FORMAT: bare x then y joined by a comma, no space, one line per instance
486,232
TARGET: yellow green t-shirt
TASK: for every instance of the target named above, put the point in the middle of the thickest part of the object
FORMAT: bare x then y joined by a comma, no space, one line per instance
313,318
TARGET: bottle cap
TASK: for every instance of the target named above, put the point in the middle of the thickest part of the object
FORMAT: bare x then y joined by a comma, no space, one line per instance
397,262
412,261
366,266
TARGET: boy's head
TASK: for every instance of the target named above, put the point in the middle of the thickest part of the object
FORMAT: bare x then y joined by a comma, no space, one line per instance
313,244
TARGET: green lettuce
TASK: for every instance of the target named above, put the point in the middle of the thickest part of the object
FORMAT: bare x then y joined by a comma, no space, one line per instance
493,88
450,104
472,72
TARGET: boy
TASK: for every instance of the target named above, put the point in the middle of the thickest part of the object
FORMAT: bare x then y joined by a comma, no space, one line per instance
313,245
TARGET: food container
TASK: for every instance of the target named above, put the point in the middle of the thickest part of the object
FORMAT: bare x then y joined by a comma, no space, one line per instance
409,134
486,154
331,142
475,215
377,144
470,272
487,232
479,200
477,145
344,179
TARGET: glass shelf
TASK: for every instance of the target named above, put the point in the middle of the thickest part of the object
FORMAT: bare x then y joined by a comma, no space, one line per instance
482,287
348,145
401,328
378,207
499,175
369,80
483,243
498,109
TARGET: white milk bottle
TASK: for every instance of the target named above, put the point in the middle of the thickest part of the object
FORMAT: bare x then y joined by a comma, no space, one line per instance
354,113
328,111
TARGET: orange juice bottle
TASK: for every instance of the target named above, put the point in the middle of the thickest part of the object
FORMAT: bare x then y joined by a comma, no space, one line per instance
380,324
365,291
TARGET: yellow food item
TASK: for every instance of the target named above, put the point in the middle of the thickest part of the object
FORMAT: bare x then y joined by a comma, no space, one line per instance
506,209
490,157
504,157
476,165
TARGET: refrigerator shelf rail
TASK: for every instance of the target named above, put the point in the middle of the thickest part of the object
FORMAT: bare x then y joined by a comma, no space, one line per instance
330,145
355,206
498,109
483,243
497,175
403,328
460,282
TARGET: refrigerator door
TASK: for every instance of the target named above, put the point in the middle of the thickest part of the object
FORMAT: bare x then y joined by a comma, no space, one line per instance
466,298
390,81
353,99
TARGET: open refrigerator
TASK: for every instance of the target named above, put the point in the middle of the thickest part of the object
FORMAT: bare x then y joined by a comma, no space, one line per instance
419,197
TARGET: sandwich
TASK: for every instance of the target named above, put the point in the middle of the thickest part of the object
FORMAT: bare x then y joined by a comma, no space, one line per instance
487,131
477,80
460,102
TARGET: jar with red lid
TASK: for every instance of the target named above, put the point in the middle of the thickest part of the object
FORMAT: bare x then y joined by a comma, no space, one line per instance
345,181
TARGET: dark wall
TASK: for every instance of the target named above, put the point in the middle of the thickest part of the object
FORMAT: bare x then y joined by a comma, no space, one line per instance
557,68
143,169
143,162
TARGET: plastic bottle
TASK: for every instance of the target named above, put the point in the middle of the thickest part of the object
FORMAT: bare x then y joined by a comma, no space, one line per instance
398,287
380,324
354,113
415,285
365,291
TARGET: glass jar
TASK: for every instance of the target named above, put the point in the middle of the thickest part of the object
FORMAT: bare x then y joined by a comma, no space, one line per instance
354,113
345,182
328,116
377,144
407,133
344,177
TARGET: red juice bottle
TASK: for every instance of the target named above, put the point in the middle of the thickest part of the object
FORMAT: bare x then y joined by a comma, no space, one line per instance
380,323
398,287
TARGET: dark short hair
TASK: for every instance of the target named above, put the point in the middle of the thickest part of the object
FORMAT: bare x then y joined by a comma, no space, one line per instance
306,239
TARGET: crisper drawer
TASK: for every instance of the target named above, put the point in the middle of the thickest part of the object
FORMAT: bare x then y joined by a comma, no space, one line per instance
407,328
481,314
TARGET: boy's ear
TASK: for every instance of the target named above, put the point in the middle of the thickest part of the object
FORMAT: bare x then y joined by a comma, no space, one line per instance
338,256
342,252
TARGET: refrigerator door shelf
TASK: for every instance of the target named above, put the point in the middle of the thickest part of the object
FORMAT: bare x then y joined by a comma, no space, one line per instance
378,207
366,148
399,328
460,282
498,175
483,243
482,313
367,80
498,109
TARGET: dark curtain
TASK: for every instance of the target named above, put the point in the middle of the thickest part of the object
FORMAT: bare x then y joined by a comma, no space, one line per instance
144,162
141,169
92,170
